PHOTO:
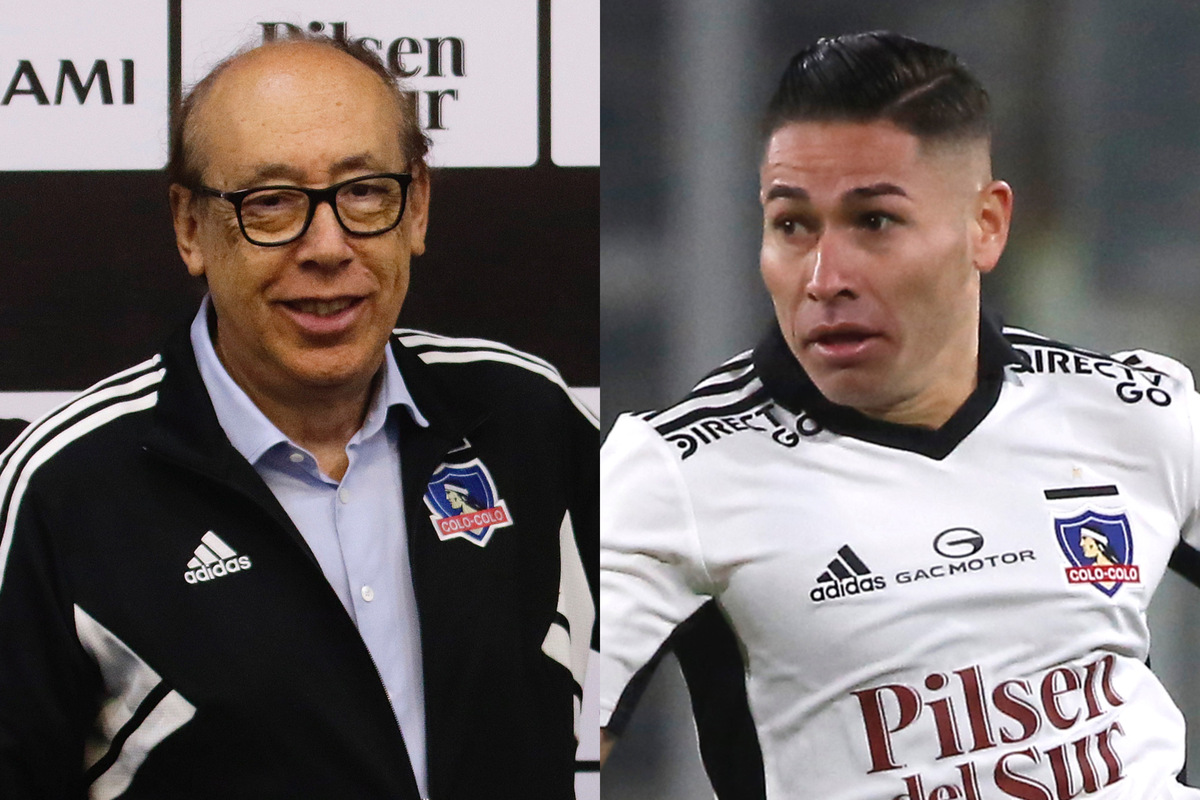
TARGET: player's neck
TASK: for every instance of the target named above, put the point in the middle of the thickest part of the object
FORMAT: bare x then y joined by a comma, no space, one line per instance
955,376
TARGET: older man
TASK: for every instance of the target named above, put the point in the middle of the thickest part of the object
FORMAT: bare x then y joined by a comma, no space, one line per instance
889,510
237,569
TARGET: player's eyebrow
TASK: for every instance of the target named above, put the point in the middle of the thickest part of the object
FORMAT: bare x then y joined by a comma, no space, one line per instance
876,190
857,193
787,192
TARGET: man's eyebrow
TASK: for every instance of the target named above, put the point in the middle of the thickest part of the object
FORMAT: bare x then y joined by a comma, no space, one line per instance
287,172
359,161
274,172
876,190
787,192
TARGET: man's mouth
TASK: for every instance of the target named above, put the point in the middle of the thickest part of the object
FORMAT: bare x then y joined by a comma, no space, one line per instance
322,308
836,338
843,345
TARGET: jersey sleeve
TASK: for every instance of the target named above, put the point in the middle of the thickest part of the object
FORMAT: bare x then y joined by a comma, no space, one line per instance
1186,484
652,574
1186,558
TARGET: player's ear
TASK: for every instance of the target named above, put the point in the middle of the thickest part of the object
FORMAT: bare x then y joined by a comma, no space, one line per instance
993,215
187,228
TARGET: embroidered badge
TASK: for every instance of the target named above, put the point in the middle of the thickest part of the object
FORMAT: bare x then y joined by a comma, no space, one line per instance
1100,549
462,502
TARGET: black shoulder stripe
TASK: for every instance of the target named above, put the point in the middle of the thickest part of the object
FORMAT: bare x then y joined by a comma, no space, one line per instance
732,365
752,400
710,390
721,388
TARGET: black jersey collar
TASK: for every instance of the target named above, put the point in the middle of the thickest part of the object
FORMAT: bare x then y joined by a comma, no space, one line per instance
790,386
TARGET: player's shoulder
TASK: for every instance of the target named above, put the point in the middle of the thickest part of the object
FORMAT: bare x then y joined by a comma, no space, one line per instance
485,368
711,409
1130,377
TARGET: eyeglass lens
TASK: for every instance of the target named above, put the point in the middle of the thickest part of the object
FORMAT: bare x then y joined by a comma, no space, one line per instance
369,205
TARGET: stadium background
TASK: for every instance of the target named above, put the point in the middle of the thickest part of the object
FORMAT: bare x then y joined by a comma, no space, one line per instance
1097,129
91,282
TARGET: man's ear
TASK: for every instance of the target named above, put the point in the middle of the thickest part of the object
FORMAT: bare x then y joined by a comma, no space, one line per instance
993,215
187,228
416,209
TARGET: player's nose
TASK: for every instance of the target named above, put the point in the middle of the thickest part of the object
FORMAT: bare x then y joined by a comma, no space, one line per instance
832,270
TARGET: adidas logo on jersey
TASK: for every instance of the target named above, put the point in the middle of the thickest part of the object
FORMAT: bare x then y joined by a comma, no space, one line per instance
846,575
214,559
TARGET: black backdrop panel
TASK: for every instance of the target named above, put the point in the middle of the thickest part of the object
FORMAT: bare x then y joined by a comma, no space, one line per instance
91,282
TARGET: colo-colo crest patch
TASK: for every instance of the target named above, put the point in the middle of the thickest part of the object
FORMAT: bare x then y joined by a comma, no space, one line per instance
462,502
1100,549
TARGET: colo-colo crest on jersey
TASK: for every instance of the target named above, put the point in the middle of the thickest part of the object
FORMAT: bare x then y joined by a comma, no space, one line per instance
462,501
1100,549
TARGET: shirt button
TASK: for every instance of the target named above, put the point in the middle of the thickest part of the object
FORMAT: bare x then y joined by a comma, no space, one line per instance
296,457
368,593
344,495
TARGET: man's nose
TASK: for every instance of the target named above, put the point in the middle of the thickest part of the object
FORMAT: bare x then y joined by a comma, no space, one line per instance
326,242
832,272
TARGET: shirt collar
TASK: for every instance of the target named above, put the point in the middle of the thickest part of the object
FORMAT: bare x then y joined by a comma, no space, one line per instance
790,386
249,430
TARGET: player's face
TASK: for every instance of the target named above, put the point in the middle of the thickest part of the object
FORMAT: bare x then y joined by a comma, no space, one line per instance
316,313
872,250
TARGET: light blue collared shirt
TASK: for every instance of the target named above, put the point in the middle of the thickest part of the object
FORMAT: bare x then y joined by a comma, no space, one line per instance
355,528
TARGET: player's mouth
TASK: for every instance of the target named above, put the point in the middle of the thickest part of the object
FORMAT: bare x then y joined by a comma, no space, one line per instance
323,316
842,344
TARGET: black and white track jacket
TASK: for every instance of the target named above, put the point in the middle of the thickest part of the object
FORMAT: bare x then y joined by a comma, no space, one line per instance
119,676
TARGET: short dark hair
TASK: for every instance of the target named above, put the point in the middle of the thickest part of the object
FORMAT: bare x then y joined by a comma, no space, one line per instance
882,76
183,166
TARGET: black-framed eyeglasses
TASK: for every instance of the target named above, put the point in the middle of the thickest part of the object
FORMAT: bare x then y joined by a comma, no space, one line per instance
270,216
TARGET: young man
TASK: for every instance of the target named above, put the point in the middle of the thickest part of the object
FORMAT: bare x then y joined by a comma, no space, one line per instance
233,571
886,499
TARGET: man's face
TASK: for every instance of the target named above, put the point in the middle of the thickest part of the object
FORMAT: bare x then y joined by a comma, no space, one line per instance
872,250
315,314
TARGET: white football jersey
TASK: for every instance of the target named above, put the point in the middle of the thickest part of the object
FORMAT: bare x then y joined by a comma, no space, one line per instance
956,614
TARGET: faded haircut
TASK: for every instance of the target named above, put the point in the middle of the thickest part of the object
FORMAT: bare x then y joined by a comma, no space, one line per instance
882,76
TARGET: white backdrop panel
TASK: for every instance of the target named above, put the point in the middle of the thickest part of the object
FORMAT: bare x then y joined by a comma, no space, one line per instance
84,85
575,83
473,65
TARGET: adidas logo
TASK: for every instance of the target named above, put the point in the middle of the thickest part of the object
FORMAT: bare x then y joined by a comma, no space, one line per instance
214,559
846,575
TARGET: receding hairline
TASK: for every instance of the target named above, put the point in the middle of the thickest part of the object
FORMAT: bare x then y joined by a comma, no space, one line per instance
193,126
